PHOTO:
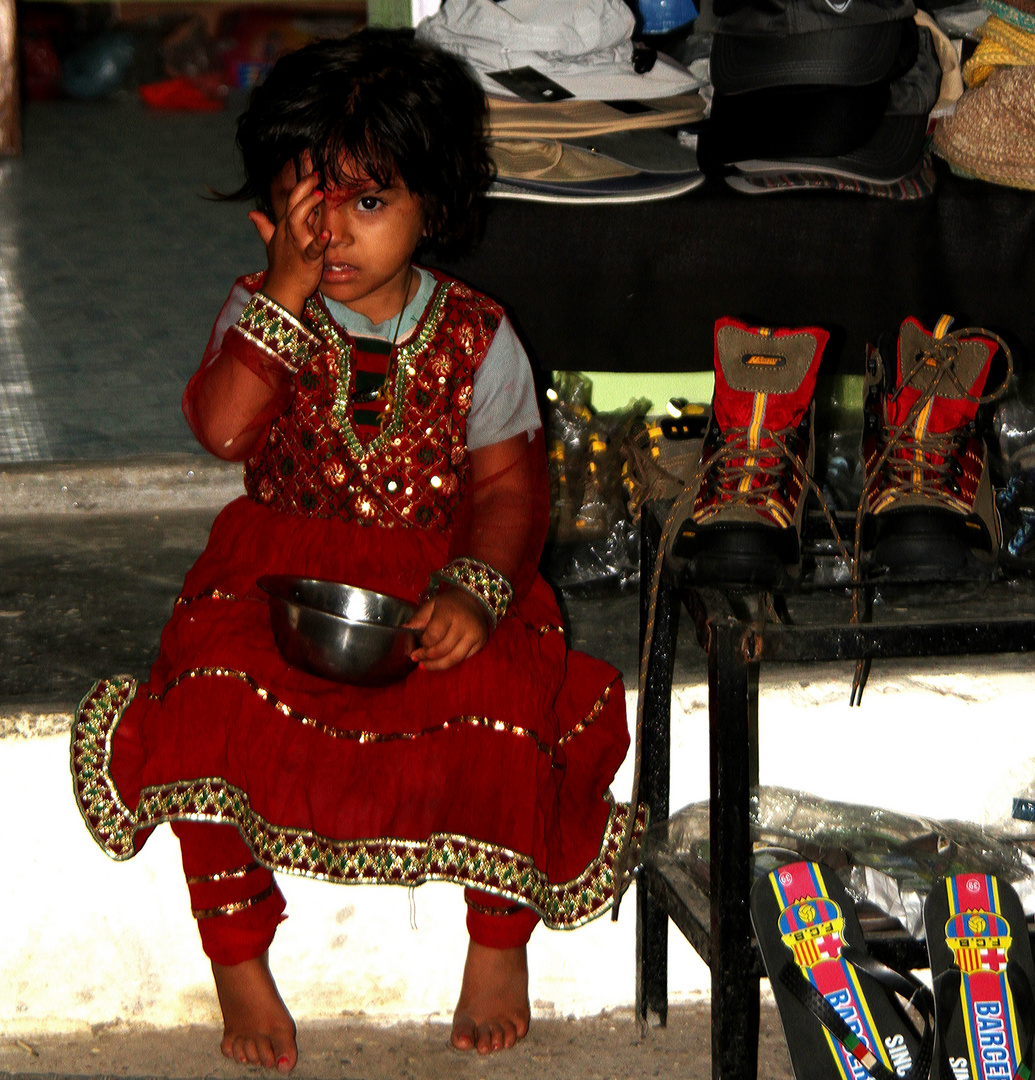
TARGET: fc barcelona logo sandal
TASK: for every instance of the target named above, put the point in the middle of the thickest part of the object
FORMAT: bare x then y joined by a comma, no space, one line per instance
838,1006
983,975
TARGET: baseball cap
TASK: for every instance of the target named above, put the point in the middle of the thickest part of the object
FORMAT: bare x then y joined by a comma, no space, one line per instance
811,43
626,166
917,184
578,118
894,148
793,122
544,51
642,187
602,157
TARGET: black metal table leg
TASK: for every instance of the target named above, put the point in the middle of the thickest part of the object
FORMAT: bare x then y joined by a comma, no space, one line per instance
733,740
651,916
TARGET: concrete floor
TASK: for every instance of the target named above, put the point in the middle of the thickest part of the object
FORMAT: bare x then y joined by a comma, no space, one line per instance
113,265
606,1047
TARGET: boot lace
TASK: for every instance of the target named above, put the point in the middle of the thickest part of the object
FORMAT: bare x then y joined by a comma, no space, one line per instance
927,466
914,462
742,474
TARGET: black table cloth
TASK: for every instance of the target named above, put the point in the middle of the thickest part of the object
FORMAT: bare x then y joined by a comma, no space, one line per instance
638,287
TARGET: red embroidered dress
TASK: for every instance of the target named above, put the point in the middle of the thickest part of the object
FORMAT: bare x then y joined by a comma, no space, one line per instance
493,774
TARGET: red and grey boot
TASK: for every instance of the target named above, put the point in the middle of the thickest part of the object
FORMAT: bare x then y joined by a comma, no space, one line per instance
749,492
928,510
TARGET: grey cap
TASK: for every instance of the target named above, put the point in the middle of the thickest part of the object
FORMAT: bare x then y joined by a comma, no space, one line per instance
810,43
894,150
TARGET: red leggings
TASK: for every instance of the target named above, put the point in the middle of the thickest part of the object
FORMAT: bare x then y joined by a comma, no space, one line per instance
238,905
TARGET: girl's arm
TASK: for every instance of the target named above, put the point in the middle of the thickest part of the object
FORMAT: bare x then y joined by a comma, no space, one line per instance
246,377
502,505
455,622
495,549
230,402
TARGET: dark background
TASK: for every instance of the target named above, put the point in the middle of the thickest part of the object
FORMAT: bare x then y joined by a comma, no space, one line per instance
639,287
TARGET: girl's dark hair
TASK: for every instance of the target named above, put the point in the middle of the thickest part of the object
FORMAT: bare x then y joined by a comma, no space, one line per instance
387,106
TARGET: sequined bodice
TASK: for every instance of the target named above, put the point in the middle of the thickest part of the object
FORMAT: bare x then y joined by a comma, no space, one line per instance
410,474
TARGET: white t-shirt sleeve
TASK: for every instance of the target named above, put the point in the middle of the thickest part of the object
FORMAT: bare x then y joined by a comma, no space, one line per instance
236,302
503,402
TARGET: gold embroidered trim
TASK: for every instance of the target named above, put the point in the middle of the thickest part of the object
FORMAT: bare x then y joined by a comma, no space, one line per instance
214,594
403,372
96,719
277,332
594,714
445,857
361,736
223,875
233,908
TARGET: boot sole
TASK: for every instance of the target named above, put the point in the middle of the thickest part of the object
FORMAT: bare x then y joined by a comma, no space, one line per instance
928,545
741,557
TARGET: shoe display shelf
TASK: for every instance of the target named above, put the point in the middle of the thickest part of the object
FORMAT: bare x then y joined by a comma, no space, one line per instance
811,625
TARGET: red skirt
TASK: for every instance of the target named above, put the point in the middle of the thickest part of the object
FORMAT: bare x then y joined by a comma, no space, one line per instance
493,774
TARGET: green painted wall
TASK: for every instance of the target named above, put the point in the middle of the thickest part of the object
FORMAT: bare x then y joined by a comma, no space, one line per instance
839,398
389,13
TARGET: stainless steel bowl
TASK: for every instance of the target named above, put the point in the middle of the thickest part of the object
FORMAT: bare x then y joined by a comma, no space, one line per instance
340,632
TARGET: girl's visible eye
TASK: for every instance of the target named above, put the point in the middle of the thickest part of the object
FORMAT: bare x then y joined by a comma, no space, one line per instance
369,202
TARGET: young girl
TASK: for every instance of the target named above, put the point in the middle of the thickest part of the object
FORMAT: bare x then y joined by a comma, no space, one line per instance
388,424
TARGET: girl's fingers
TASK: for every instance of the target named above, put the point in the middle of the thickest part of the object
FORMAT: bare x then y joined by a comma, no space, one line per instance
453,648
303,209
421,616
435,641
263,226
317,247
304,191
434,635
450,634
302,231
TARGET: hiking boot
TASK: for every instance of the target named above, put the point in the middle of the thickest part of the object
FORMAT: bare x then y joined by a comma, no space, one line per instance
928,509
748,494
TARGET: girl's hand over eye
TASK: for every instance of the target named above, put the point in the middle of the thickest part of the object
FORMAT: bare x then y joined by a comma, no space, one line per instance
293,246
455,626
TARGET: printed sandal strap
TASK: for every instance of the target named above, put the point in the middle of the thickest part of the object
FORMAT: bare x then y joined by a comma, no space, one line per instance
947,998
918,996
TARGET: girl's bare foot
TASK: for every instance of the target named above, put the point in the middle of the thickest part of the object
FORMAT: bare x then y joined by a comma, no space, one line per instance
492,1013
257,1028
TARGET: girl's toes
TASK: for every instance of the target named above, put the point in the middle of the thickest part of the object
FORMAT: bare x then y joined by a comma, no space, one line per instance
266,1056
464,1035
486,1039
284,1053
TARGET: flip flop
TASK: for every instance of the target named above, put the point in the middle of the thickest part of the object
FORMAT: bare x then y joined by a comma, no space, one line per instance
984,979
839,1007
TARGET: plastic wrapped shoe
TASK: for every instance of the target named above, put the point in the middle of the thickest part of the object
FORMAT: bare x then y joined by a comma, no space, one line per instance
928,509
748,494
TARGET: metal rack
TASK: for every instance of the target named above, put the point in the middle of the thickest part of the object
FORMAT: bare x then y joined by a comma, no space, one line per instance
999,618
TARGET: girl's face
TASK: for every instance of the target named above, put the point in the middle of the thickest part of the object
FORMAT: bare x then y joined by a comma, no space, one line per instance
374,232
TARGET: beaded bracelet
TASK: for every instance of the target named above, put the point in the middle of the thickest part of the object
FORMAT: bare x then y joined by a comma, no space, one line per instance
480,580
